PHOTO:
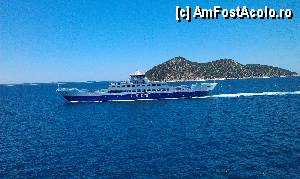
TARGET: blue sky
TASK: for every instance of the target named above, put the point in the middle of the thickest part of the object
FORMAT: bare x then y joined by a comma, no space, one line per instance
58,40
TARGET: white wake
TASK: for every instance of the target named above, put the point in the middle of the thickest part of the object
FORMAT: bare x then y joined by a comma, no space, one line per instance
255,94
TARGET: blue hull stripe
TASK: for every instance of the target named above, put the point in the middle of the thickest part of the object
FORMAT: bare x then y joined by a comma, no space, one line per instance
138,96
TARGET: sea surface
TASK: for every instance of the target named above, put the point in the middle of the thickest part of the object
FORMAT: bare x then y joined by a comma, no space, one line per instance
245,128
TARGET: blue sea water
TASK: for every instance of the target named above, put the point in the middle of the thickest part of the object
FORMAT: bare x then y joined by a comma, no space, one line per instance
244,134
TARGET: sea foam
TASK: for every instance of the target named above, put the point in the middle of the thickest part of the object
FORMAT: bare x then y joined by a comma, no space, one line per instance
255,94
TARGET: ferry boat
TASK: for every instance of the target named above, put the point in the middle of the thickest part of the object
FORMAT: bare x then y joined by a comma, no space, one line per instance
138,87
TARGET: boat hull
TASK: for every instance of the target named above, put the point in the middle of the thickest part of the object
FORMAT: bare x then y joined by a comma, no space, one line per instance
133,96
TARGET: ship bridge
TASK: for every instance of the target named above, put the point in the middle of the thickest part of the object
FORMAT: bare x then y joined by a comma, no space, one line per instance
138,77
138,83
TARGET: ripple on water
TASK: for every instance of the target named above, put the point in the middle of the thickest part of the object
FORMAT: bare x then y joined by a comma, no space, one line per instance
240,136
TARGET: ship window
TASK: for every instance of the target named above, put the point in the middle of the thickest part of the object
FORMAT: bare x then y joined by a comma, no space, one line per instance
163,89
118,86
158,89
113,86
149,85
138,85
139,90
153,84
123,86
144,90
158,84
153,89
115,91
133,85
148,89
128,85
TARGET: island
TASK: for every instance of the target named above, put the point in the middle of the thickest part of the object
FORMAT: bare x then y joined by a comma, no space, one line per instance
181,69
